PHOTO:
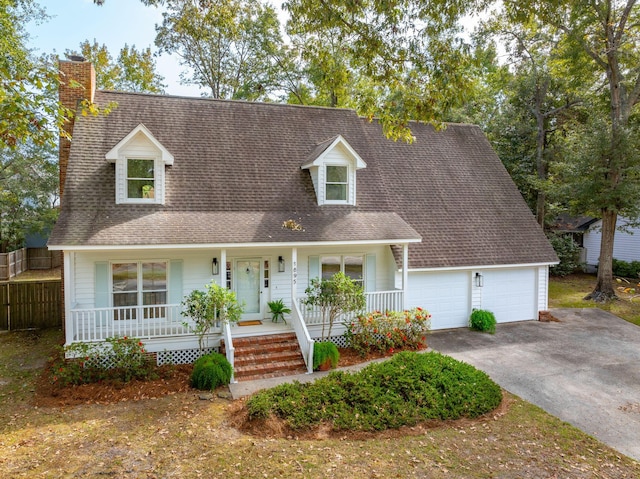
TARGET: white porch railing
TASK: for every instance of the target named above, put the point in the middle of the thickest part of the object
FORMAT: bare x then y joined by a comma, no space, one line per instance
230,351
144,322
375,301
303,336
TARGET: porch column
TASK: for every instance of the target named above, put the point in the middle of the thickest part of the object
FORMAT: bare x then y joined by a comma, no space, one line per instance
223,268
405,273
69,323
294,275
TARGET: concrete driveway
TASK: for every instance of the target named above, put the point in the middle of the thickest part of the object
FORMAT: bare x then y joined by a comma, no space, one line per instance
584,369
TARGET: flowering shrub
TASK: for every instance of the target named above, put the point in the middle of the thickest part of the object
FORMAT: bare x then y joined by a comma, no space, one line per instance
389,331
118,358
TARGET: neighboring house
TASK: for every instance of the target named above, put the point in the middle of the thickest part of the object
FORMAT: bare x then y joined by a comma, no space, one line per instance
587,233
165,194
626,243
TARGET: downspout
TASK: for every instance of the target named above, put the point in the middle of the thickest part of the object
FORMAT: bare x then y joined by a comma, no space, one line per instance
405,273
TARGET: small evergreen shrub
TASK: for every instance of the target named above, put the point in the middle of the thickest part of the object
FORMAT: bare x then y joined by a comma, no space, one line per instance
210,371
568,253
386,332
626,269
323,351
482,320
402,391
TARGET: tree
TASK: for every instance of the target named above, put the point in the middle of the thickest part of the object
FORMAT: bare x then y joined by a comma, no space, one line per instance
27,112
228,45
408,50
133,70
335,297
605,35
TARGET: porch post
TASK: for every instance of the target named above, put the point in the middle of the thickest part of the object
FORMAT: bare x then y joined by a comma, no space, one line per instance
69,323
405,273
294,275
223,268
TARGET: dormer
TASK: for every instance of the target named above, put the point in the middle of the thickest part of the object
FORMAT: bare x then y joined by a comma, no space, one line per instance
140,167
333,165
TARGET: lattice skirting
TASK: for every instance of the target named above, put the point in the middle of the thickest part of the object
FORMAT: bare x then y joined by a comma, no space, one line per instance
183,356
339,341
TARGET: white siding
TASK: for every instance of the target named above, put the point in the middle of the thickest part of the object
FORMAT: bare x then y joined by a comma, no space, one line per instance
511,294
139,147
543,288
626,246
445,294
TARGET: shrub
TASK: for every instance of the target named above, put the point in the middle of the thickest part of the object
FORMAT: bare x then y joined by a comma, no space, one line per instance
482,320
210,371
568,253
118,358
388,331
323,351
626,269
402,391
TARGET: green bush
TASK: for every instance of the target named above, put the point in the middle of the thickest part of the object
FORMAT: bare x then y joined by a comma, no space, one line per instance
626,269
402,391
118,358
482,320
210,371
386,332
323,351
568,253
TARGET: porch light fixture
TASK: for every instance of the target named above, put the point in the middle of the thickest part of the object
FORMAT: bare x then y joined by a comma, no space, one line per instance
479,280
215,267
280,264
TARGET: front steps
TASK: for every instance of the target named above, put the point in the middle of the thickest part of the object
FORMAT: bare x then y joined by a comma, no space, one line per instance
260,357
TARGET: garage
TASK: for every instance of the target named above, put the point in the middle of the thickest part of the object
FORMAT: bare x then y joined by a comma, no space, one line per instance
444,294
510,294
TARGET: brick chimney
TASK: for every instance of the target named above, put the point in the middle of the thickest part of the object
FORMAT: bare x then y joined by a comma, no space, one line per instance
75,69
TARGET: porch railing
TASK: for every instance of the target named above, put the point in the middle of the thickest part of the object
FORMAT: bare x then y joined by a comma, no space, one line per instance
303,336
230,351
144,322
375,301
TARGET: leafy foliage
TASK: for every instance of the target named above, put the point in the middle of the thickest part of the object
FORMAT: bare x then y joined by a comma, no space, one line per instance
278,309
210,371
402,391
626,269
133,70
568,252
118,358
325,351
482,320
208,308
389,331
335,297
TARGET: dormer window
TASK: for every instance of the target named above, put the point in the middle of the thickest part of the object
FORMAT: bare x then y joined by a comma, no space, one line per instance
140,179
337,183
333,165
140,167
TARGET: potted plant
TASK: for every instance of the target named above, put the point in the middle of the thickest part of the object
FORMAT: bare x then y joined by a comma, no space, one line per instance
278,310
325,356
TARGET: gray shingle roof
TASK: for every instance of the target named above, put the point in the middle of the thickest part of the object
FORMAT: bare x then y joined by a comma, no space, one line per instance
236,178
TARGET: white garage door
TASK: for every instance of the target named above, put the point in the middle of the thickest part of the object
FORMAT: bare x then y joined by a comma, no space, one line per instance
510,294
445,295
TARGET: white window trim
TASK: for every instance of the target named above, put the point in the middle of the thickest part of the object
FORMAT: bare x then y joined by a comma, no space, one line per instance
342,256
139,290
156,180
351,183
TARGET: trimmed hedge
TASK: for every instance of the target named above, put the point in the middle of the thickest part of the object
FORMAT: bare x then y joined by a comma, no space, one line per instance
403,391
482,320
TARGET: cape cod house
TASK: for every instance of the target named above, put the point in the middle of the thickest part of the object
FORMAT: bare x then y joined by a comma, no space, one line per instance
165,194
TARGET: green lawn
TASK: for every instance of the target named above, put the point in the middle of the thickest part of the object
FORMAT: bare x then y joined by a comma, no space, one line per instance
568,292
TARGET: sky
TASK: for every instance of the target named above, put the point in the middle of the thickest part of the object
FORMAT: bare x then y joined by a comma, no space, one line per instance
115,23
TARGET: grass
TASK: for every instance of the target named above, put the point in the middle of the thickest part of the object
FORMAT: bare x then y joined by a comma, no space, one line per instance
182,436
568,292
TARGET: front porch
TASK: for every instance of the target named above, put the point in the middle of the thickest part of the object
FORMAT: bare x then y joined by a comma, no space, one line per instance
166,321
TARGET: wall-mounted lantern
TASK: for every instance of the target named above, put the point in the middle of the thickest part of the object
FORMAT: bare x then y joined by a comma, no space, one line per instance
280,264
215,267
479,280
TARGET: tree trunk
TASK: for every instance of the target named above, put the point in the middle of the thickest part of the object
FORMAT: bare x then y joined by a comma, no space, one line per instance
604,287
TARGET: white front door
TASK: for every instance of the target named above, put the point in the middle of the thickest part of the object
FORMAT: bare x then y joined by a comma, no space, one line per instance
248,279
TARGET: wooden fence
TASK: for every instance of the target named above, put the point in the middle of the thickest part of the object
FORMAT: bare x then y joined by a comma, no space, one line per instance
42,258
30,304
13,263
